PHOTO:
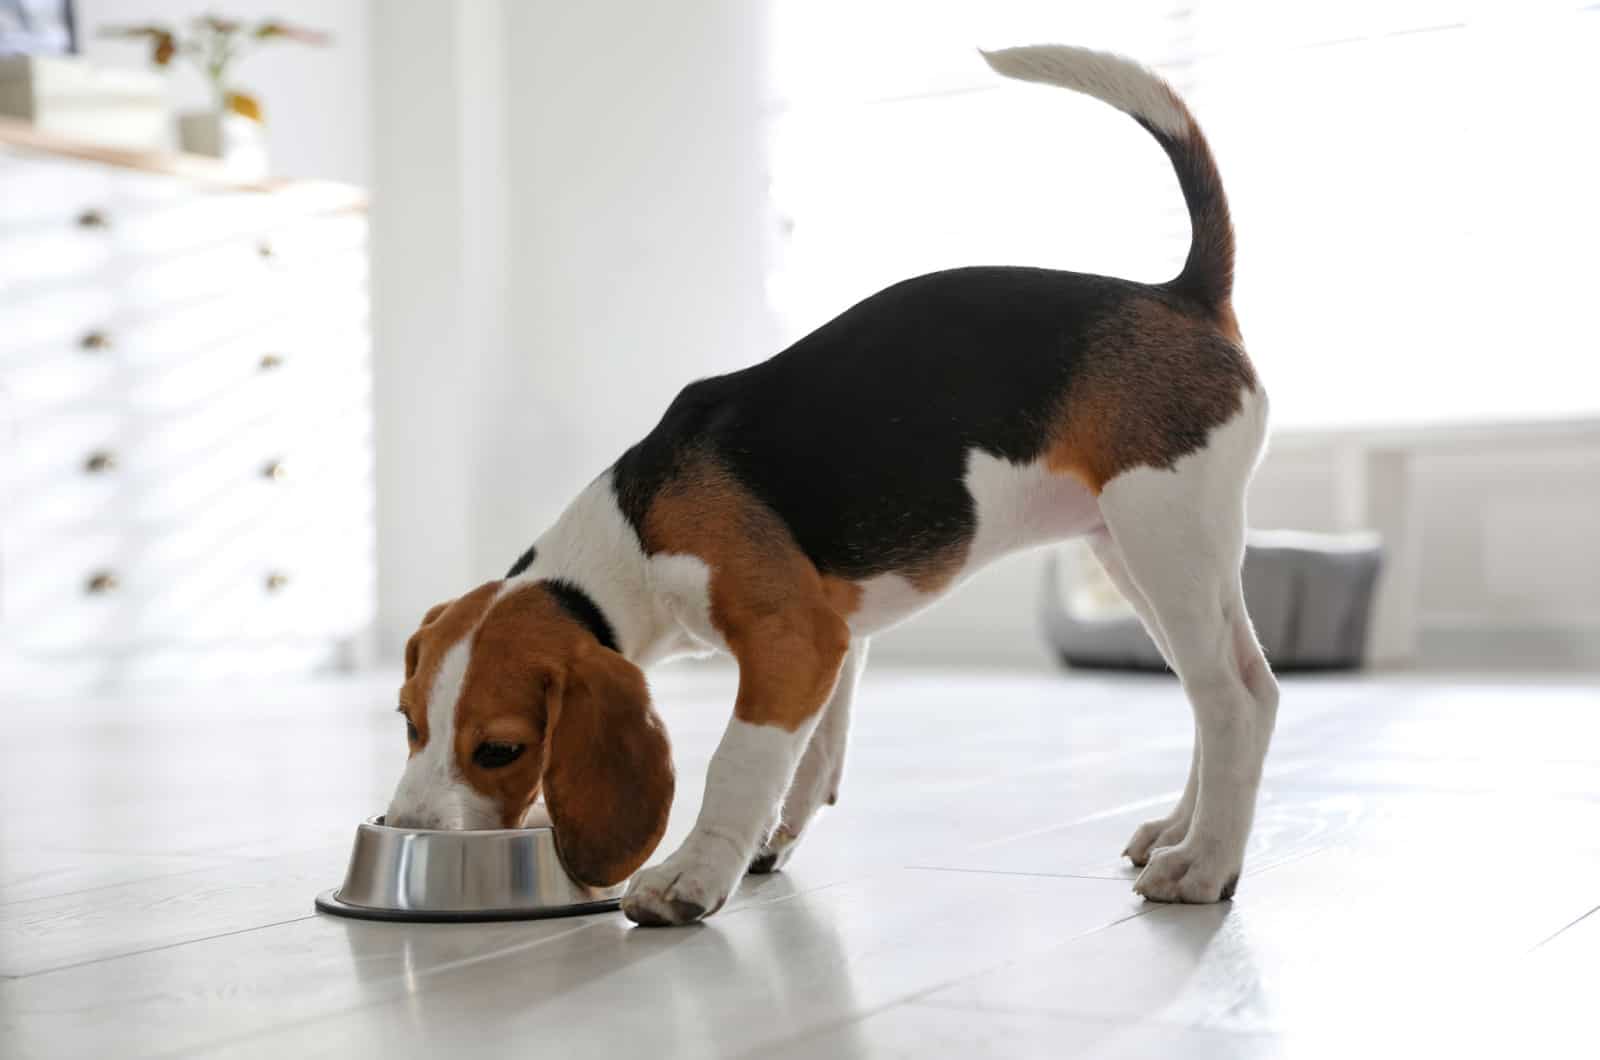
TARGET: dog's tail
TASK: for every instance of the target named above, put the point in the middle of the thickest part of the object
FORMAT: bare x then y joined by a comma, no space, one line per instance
1207,274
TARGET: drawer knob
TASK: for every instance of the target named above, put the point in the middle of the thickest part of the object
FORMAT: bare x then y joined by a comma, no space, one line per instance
276,471
264,250
271,361
93,218
101,460
277,581
95,340
102,582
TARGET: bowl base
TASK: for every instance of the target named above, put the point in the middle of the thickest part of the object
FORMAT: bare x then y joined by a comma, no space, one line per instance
328,902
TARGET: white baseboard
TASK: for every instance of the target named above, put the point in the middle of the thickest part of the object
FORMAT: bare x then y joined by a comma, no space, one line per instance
1476,644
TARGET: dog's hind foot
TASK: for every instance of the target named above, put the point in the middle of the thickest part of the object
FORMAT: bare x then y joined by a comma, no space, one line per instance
1183,874
1151,836
775,852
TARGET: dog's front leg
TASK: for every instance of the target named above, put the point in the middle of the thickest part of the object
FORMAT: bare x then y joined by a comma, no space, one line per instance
787,670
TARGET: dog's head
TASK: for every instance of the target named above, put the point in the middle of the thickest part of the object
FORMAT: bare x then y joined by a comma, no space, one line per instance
507,696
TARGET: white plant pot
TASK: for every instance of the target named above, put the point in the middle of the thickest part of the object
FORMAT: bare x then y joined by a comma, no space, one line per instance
239,142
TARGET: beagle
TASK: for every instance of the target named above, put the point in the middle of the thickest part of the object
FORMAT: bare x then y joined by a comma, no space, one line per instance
786,512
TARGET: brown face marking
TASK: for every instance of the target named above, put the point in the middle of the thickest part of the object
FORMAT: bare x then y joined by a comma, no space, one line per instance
592,743
519,652
781,619
1156,382
441,628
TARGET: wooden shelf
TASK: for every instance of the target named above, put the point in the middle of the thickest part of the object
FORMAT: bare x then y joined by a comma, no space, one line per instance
26,137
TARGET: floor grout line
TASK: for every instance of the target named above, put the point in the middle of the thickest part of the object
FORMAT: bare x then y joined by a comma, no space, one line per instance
1100,815
222,862
6,903
163,946
1019,872
1564,929
1170,795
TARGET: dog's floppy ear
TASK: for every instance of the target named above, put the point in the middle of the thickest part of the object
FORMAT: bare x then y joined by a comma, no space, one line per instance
608,778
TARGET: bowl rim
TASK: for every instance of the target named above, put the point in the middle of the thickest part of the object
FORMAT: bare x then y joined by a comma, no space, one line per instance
376,822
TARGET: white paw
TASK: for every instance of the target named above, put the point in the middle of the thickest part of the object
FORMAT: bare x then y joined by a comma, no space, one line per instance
1182,874
1152,835
686,887
775,852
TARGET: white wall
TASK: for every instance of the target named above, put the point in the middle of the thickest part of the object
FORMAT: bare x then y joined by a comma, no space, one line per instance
571,222
316,100
640,234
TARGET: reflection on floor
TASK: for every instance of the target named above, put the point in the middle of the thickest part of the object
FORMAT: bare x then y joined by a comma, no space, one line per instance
1422,878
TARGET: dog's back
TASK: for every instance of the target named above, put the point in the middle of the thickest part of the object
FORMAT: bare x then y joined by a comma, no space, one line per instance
860,436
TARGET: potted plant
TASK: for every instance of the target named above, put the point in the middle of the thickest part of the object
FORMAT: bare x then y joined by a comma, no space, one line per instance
231,128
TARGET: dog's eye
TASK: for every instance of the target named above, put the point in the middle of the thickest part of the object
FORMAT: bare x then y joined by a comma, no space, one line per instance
412,735
494,755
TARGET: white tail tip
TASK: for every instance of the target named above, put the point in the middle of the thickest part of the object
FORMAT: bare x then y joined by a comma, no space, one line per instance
1122,83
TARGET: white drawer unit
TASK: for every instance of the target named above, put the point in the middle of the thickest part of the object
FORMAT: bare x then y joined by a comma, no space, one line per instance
185,422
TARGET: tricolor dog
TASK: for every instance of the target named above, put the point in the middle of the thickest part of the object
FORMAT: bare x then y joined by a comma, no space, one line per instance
786,512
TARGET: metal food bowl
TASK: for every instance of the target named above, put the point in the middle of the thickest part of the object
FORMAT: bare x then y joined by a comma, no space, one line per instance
421,874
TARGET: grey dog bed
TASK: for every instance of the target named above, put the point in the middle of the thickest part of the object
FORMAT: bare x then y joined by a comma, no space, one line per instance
1310,596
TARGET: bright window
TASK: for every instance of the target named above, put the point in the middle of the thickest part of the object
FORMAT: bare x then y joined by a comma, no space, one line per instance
1413,181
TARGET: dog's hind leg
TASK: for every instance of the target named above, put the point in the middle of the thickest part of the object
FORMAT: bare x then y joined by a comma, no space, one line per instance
1180,534
1160,831
816,780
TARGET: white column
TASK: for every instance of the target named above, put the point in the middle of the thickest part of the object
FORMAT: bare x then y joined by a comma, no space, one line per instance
1377,492
438,209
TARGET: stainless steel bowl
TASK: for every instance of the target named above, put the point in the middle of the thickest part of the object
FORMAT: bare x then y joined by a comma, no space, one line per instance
428,875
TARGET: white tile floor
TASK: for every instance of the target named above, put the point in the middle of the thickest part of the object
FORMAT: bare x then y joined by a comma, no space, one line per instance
1421,883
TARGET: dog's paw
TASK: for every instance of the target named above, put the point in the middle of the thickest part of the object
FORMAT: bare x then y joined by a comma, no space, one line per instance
1180,874
680,890
775,852
1153,835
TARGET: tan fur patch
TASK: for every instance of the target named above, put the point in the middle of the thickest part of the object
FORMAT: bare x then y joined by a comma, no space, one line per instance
1152,385
441,628
781,619
1228,324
